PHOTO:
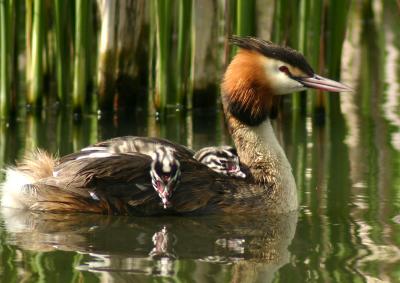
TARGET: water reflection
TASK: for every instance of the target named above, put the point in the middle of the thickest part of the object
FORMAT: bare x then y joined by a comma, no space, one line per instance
247,246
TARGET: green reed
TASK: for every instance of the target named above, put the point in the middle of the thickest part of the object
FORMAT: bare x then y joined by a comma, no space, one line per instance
245,17
151,104
35,76
28,38
171,45
61,53
278,22
313,46
5,60
163,85
80,60
302,17
370,57
106,60
172,62
184,51
336,26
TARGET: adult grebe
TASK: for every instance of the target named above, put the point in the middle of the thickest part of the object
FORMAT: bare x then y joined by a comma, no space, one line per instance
259,71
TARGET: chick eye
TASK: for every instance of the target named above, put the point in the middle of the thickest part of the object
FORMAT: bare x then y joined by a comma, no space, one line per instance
285,70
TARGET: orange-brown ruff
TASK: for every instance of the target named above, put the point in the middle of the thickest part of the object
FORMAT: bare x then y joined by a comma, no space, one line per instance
245,88
118,181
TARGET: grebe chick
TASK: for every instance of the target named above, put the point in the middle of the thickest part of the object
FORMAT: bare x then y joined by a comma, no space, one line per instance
165,168
165,174
143,145
221,159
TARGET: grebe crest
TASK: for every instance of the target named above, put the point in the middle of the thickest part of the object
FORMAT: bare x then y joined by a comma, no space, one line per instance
221,159
165,173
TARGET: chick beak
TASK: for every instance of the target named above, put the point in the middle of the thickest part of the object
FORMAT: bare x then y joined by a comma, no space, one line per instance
234,170
165,202
163,191
325,84
165,198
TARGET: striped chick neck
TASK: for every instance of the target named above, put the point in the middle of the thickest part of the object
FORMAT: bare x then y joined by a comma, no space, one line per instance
223,160
165,174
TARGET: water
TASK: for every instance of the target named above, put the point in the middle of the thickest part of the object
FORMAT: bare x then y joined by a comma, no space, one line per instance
347,228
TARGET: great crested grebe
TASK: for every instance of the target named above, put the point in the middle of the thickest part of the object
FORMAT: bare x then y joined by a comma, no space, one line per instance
259,71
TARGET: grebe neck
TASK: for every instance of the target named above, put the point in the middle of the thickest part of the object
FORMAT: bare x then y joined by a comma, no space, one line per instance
259,149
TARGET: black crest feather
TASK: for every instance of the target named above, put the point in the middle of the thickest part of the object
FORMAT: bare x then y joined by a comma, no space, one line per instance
271,50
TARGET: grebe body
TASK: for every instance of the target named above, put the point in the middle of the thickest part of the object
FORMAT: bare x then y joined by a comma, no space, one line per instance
165,168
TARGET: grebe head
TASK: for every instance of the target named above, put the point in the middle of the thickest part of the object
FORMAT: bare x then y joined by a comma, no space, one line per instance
165,173
261,70
222,159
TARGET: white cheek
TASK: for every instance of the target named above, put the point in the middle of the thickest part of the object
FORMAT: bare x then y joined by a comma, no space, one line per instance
282,84
279,81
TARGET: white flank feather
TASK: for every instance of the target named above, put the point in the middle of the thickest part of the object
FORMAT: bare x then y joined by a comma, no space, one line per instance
12,188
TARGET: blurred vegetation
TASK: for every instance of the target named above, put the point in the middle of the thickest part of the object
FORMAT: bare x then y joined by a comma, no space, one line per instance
158,55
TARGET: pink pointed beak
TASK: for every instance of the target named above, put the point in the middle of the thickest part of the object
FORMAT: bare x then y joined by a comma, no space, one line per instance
164,194
234,170
325,84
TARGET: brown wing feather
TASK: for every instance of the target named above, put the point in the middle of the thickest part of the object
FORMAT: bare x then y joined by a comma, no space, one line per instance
116,173
113,180
199,190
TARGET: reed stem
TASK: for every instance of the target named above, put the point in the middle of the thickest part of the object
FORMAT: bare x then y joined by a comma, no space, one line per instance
60,6
151,63
107,55
36,71
163,22
28,39
80,64
302,34
246,16
334,42
15,12
5,60
277,32
316,25
184,50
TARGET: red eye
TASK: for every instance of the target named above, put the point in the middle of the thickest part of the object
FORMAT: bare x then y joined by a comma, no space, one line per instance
284,69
